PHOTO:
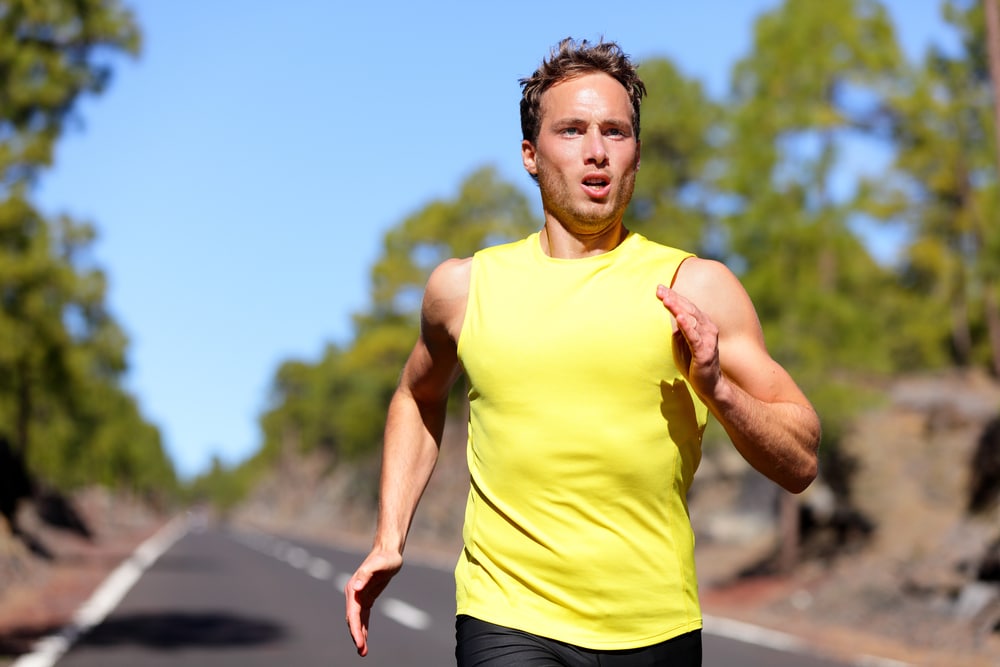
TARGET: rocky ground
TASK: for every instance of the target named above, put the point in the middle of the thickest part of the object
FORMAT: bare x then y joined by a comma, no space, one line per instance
41,587
914,585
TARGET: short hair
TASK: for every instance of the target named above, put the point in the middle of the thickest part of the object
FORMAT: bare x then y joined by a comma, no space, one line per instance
571,59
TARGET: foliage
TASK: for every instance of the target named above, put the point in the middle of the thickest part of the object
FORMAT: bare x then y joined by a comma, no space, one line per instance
812,88
944,188
338,404
62,355
51,52
221,487
761,180
674,191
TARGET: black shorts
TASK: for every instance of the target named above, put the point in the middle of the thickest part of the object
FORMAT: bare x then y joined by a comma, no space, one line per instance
482,644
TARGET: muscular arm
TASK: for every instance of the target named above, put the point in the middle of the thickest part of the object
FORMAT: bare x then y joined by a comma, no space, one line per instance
414,425
719,346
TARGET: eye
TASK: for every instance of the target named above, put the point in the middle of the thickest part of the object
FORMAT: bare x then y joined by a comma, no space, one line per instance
569,131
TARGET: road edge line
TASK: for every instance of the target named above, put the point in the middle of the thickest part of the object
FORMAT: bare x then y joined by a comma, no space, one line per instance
777,640
105,597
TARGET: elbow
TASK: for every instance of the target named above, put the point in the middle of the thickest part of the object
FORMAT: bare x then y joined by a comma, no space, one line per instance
805,472
802,478
808,467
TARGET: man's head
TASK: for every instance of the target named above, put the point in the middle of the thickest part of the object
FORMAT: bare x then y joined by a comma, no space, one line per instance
571,59
580,113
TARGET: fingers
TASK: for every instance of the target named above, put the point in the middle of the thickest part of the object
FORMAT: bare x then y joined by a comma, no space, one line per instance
675,302
691,322
695,342
358,613
361,590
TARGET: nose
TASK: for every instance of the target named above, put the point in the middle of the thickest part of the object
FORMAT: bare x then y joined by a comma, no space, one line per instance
595,151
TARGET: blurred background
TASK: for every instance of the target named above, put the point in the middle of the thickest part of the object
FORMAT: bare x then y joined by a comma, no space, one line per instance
216,222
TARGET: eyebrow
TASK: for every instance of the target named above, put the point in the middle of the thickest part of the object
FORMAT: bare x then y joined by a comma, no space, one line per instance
611,122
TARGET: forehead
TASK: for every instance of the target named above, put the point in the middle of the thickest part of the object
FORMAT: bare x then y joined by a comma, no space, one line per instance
594,93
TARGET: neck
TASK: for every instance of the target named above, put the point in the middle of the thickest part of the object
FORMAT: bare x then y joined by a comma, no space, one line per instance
560,243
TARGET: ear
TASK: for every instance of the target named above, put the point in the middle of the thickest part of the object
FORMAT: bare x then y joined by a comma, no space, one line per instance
638,146
528,157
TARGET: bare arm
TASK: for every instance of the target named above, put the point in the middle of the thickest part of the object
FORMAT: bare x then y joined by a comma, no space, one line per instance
414,425
719,346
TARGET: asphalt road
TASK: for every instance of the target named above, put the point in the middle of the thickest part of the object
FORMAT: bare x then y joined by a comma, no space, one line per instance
219,598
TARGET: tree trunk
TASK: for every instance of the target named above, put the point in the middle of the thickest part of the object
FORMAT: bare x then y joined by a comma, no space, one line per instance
961,337
992,13
788,527
24,408
993,323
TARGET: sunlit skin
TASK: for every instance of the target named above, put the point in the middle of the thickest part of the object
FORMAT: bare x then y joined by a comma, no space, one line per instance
585,157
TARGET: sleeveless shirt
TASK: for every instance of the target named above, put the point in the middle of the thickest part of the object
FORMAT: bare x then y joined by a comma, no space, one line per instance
583,441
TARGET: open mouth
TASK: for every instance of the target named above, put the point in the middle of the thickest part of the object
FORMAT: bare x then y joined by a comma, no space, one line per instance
596,183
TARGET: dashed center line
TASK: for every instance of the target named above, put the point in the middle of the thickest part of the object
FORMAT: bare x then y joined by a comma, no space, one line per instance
403,613
297,557
319,569
406,614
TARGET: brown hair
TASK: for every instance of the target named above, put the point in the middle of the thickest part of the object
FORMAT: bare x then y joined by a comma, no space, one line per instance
570,59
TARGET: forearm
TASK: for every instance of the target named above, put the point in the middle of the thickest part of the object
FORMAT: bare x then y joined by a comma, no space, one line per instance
779,439
410,450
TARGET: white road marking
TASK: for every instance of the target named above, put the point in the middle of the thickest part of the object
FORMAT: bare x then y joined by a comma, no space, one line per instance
278,549
403,613
875,661
752,634
780,641
406,614
107,596
297,557
320,569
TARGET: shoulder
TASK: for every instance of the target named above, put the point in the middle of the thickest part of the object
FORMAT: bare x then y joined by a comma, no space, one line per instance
715,289
446,295
450,278
698,275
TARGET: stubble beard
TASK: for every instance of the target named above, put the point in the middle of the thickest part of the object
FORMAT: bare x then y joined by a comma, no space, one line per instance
586,218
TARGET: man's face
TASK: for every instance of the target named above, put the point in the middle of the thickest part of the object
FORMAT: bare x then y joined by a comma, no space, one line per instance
586,154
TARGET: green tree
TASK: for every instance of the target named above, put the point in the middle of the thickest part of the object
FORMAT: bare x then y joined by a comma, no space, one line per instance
338,404
61,353
51,53
813,83
486,211
944,188
674,190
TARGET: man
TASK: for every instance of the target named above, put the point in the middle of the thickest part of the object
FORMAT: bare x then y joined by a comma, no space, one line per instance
593,357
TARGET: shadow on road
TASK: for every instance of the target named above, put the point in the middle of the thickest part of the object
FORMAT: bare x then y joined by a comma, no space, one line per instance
175,630
186,563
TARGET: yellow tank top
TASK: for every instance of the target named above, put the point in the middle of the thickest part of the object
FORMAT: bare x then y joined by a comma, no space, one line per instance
583,441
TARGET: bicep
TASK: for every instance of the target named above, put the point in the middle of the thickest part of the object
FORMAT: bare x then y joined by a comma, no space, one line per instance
745,360
431,367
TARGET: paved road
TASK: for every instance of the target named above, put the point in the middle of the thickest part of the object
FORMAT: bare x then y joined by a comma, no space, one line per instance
218,598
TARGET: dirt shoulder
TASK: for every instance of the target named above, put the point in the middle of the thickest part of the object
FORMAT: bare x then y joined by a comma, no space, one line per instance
41,590
46,601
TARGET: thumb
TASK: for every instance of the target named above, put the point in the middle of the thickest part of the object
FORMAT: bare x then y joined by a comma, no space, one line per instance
360,580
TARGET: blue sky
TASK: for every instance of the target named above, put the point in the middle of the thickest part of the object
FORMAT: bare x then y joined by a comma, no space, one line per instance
242,171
